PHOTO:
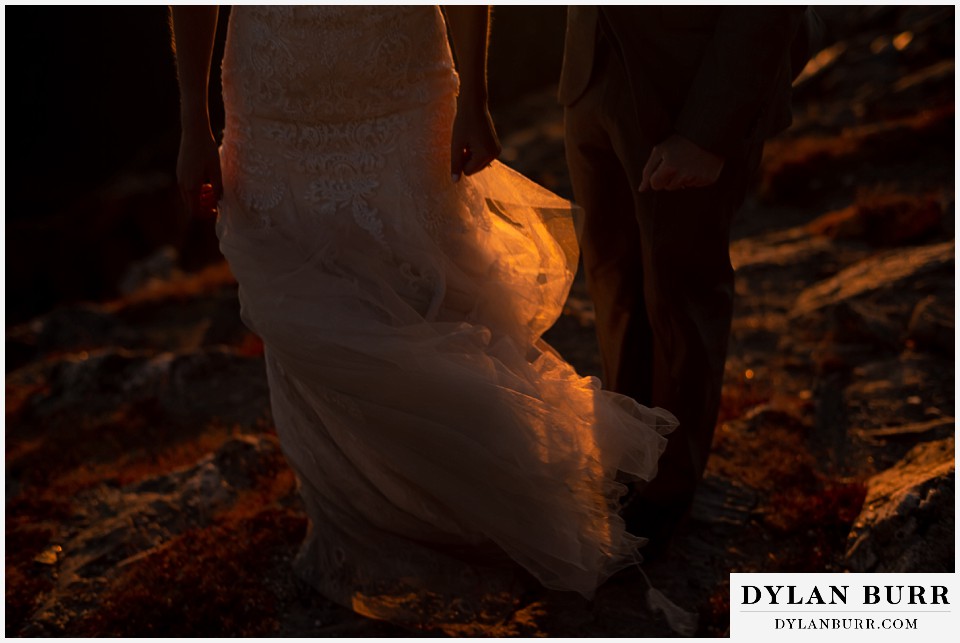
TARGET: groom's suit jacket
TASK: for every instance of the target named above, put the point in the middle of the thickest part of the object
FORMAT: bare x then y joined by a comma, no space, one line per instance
657,263
718,75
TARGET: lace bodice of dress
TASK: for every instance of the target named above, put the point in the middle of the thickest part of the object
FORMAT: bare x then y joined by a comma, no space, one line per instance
332,87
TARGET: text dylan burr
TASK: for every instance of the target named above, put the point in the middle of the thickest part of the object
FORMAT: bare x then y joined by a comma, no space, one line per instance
837,595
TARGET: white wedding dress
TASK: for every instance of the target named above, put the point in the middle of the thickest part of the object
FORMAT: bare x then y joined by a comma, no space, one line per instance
429,425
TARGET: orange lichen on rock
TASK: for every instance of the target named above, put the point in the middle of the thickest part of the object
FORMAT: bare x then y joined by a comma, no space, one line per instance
883,218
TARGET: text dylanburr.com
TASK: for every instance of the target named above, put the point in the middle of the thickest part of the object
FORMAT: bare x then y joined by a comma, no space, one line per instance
847,607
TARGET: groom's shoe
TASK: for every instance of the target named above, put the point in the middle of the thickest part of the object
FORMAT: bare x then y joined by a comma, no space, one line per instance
655,521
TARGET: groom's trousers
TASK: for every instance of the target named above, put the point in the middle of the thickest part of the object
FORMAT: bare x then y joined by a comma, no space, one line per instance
658,270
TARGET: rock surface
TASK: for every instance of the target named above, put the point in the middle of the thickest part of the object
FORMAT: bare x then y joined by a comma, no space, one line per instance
908,521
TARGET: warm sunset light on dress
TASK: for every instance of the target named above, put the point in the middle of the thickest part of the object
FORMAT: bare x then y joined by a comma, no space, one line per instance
401,314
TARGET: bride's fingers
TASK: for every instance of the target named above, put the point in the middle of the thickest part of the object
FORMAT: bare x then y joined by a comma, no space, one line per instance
216,182
209,192
457,155
480,157
475,163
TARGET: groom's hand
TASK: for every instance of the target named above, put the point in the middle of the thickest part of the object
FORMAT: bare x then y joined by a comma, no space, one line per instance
679,163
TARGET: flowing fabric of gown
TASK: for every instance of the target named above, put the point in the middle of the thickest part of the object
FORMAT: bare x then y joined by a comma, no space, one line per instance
401,314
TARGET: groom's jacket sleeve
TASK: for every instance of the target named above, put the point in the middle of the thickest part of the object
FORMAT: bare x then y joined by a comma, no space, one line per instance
743,64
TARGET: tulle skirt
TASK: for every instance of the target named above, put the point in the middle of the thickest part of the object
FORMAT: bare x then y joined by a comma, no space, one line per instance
439,442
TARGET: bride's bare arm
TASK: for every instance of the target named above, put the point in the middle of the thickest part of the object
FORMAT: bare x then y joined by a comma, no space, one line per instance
198,164
474,144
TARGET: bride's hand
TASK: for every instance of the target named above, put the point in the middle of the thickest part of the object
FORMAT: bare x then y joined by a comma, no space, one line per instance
474,144
198,173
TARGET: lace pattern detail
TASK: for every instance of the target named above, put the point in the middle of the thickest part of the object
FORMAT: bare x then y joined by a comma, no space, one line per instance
336,111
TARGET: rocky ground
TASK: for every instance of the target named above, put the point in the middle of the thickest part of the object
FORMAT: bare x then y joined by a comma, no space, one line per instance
146,494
